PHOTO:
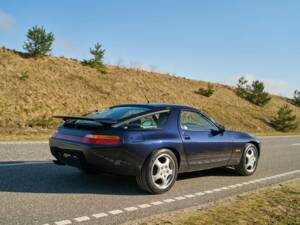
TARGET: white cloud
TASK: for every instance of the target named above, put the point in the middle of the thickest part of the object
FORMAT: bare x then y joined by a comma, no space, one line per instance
7,22
274,86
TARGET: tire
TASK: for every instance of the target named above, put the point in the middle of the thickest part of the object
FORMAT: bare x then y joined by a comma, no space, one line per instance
245,167
159,172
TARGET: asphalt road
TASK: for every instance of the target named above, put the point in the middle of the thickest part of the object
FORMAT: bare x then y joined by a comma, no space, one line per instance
35,191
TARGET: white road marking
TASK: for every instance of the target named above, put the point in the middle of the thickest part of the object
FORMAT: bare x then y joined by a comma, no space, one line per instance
296,144
99,215
224,188
82,218
24,163
63,222
115,212
179,198
169,200
217,189
190,196
130,209
143,206
157,203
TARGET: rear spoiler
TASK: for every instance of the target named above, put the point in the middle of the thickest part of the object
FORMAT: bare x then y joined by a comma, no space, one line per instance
103,121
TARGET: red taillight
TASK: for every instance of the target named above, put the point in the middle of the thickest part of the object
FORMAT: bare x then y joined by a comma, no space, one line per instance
96,139
99,139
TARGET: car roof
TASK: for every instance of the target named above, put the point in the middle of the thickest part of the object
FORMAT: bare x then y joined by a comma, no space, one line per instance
156,105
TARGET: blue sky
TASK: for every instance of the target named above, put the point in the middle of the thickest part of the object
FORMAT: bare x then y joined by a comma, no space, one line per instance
213,40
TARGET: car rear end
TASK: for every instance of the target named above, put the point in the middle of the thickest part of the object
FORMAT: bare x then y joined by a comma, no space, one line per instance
93,146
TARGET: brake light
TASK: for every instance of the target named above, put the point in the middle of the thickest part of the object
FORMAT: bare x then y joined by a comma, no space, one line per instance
101,139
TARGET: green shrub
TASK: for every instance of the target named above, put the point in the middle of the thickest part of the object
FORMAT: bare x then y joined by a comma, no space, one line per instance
207,92
254,93
24,76
285,120
97,60
297,98
38,41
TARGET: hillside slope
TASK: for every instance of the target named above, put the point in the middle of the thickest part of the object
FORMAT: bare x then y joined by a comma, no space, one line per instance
64,86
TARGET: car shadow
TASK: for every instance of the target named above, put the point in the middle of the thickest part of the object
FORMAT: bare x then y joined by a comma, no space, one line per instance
45,177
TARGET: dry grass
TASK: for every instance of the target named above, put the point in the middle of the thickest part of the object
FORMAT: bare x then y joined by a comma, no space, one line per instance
277,205
33,90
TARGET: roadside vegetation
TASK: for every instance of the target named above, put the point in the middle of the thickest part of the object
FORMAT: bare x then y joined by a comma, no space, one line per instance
207,92
254,93
38,86
38,42
97,61
278,205
297,98
285,120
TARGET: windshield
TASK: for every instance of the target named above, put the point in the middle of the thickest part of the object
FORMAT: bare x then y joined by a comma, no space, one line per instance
117,113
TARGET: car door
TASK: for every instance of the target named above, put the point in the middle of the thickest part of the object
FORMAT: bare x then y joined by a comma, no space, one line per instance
204,144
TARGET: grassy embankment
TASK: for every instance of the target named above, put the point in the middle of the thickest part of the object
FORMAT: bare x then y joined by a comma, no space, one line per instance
33,90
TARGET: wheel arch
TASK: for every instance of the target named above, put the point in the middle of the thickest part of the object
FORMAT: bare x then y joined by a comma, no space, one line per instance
173,150
257,145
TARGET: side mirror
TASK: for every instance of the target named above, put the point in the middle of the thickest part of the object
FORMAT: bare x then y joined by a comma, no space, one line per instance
221,128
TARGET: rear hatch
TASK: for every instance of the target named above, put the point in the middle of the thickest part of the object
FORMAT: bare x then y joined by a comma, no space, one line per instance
88,131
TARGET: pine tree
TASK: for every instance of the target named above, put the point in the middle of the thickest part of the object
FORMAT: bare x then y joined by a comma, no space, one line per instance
297,98
257,95
241,89
285,120
38,41
97,61
254,93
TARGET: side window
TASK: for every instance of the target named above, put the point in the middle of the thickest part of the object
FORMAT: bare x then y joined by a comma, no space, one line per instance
194,121
153,121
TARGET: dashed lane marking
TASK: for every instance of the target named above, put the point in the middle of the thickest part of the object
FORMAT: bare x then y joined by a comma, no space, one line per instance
130,209
179,198
157,203
63,222
99,215
115,212
143,206
82,218
169,200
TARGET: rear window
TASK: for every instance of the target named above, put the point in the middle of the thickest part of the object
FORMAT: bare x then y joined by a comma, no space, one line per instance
117,113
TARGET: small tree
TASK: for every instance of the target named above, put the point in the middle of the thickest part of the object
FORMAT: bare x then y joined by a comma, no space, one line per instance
97,60
297,97
257,95
38,41
206,92
254,93
241,89
285,120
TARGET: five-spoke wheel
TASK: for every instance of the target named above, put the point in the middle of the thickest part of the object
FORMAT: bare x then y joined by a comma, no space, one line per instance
159,172
249,160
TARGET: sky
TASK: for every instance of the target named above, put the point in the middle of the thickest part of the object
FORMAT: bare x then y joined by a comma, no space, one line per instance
211,40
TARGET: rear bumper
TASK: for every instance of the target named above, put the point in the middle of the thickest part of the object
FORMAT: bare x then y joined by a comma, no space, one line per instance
114,160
